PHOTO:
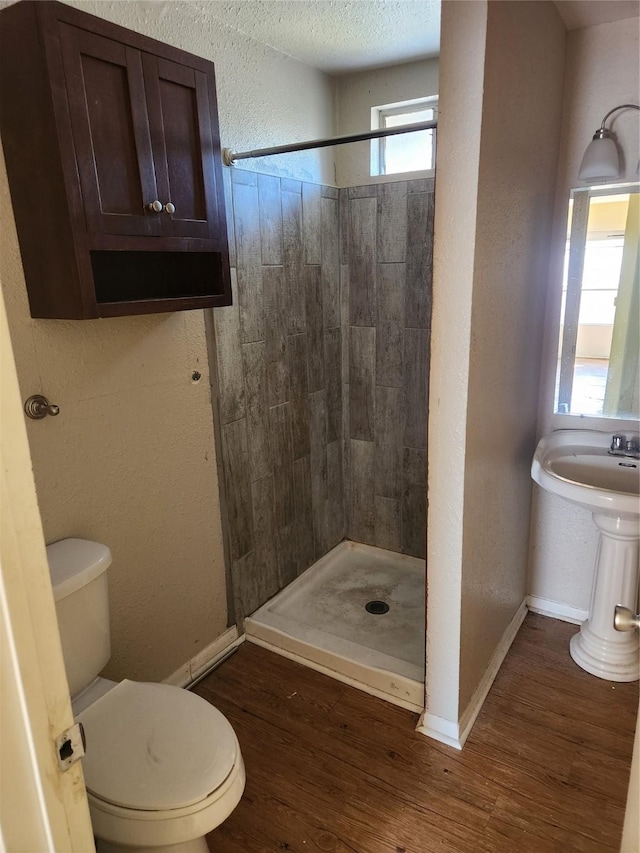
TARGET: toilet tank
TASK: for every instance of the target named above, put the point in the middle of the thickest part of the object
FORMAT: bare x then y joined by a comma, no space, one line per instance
78,570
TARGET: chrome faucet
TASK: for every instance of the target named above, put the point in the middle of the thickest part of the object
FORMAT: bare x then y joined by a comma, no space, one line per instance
623,446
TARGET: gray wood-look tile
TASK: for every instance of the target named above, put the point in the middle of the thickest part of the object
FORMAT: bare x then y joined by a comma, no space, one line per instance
246,594
299,384
304,513
237,484
421,185
348,526
344,295
228,205
312,224
229,357
346,437
290,186
332,373
319,489
419,261
362,261
390,327
392,222
286,540
330,263
318,437
244,176
362,510
325,353
414,502
275,323
344,320
364,191
245,203
344,226
388,524
345,336
388,442
281,446
362,347
234,616
334,507
265,550
270,219
255,381
416,379
293,259
315,354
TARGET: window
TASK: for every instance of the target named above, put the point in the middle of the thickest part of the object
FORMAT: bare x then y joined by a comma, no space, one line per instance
406,152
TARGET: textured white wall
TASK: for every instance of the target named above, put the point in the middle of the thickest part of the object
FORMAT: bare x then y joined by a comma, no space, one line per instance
265,97
501,79
602,72
461,64
516,192
130,460
357,93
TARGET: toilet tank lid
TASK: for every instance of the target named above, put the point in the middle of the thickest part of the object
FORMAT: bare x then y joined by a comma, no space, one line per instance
73,563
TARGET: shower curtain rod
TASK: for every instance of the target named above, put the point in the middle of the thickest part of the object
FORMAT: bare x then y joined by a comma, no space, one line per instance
229,156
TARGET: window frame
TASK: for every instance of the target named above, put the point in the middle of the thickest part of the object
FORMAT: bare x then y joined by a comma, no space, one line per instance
379,115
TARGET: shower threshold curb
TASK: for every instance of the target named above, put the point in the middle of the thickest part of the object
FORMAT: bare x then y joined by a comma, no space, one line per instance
393,688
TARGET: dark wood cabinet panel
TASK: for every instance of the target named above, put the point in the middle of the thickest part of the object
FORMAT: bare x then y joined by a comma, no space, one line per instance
184,146
105,89
101,125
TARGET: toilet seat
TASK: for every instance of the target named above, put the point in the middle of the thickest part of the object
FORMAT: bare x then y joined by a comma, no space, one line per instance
156,748
149,832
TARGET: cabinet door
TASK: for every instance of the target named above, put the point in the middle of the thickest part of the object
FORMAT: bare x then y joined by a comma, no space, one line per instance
111,133
182,132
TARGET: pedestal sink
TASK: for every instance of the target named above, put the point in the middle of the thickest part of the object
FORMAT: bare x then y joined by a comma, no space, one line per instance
576,465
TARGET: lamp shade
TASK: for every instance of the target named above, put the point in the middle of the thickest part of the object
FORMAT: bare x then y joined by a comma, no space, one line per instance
600,161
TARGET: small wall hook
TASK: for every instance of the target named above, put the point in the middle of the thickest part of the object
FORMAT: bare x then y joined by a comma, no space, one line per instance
38,407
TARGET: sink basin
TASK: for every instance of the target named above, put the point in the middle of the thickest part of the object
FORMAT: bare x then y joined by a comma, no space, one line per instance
576,465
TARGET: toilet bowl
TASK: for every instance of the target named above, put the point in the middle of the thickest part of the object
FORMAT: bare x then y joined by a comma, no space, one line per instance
163,767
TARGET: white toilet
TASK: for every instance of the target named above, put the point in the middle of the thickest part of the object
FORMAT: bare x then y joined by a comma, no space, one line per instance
163,767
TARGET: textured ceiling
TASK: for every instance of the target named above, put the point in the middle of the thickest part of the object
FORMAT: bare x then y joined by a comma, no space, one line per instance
339,35
589,13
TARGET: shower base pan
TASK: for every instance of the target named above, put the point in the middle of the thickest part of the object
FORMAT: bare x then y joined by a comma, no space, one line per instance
320,620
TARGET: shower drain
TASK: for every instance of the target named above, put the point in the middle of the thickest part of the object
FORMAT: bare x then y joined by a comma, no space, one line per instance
376,607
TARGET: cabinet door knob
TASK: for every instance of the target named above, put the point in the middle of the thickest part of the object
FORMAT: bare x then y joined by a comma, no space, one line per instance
155,206
170,208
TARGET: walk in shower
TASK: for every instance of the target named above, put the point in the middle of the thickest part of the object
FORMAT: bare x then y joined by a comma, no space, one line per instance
322,365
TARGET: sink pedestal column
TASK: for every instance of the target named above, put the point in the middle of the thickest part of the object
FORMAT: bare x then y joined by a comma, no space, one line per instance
598,647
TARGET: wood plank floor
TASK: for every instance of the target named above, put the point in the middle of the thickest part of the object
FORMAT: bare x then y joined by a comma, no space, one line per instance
330,768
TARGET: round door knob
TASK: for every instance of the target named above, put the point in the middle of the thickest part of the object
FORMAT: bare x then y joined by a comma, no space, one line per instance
155,206
170,208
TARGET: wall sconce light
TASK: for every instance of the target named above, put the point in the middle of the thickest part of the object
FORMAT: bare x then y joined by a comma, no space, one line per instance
600,161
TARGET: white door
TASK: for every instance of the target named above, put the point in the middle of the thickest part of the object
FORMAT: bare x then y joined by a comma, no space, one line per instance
41,808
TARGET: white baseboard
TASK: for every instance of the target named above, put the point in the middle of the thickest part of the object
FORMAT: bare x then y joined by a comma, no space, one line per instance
205,659
444,731
455,734
557,610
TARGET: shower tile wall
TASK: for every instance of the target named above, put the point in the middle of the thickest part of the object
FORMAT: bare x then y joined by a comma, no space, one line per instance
279,383
386,269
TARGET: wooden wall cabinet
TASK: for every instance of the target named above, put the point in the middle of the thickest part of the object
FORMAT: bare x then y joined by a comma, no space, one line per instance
113,156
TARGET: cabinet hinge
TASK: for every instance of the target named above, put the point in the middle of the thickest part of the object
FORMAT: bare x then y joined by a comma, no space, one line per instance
70,746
